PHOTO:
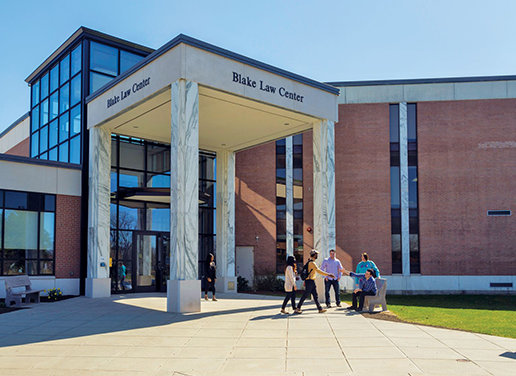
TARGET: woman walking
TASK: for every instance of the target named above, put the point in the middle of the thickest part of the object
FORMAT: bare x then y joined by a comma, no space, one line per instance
211,276
290,283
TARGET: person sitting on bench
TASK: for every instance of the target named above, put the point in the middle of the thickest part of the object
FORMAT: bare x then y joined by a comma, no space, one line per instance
366,286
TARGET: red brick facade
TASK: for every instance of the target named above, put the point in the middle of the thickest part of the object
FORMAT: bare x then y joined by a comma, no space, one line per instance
255,204
22,149
464,171
68,236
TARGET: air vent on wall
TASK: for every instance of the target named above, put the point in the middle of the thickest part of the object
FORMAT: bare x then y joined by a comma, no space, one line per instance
500,284
499,212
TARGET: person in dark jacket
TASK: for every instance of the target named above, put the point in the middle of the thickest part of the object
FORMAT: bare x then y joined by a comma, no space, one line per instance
210,274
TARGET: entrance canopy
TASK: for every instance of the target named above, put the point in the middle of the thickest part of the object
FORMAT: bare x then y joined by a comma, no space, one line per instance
242,102
195,96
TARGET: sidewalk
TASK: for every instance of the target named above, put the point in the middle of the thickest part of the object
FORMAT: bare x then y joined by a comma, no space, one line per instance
238,335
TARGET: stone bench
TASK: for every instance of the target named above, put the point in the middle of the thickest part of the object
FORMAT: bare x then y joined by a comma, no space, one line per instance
16,296
379,299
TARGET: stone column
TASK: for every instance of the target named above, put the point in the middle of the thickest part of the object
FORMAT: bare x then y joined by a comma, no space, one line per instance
324,192
289,194
404,189
226,277
98,283
184,287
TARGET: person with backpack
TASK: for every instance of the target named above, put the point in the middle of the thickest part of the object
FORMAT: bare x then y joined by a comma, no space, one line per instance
308,275
290,284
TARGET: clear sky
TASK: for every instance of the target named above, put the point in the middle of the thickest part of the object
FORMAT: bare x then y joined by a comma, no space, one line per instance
331,40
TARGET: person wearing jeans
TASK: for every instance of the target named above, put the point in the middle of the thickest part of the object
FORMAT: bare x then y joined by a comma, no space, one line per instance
332,265
310,287
290,284
366,287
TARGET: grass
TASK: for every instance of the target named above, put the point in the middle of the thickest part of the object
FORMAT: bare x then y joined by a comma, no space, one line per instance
487,314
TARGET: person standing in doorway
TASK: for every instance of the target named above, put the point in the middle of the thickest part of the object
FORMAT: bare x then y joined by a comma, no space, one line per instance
332,265
310,287
211,276
290,283
122,273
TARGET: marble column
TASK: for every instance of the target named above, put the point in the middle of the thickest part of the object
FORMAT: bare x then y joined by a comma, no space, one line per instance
324,191
183,292
98,283
226,277
404,188
289,194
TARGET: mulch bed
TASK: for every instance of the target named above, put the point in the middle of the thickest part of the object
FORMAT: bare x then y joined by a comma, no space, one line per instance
386,316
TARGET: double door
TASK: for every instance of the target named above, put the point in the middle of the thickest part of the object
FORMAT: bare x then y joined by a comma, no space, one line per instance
151,261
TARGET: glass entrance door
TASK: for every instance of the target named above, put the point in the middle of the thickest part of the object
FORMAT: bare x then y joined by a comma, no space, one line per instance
151,255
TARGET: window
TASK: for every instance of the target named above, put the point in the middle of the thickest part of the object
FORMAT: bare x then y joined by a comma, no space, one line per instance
104,59
127,60
27,233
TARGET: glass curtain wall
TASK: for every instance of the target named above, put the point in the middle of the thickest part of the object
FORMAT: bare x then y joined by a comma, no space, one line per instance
27,233
56,111
281,209
143,164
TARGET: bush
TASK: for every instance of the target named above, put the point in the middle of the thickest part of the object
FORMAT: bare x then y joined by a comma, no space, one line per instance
54,294
268,281
242,284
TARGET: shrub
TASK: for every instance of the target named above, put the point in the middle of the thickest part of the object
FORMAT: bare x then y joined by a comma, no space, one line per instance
267,280
242,284
54,294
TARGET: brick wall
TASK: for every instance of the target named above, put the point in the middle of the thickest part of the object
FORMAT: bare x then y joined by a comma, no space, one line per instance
362,185
68,236
22,149
255,203
460,178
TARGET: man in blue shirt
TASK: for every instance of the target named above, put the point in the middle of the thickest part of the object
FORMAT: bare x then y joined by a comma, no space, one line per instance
366,286
332,265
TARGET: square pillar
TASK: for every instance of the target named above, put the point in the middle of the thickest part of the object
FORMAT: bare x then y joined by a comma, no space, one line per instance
324,192
98,283
289,195
225,246
184,287
404,190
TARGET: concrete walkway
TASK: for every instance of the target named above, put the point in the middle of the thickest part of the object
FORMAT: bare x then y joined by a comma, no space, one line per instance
238,335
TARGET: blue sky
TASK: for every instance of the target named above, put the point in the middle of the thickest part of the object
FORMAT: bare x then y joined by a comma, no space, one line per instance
337,40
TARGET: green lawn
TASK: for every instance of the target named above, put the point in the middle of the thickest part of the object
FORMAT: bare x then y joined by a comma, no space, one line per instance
486,314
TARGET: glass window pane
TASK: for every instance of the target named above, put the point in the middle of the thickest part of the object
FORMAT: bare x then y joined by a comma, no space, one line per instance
97,81
21,230
395,187
52,154
297,139
411,122
52,133
34,144
44,156
16,200
104,59
76,90
75,150
46,267
54,78
132,155
394,123
76,59
158,159
127,60
34,119
46,235
65,69
159,180
64,127
64,98
113,182
131,215
75,118
125,245
50,203
412,187
44,112
1,217
44,86
43,139
35,93
63,152
158,218
54,106
131,179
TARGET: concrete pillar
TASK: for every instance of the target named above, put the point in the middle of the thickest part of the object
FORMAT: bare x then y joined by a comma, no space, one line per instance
289,194
226,277
98,283
324,192
184,287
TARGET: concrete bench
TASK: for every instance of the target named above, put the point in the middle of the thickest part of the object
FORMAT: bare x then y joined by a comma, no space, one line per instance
379,298
16,296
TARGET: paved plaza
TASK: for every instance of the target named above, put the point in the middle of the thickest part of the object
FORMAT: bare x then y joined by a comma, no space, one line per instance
238,335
